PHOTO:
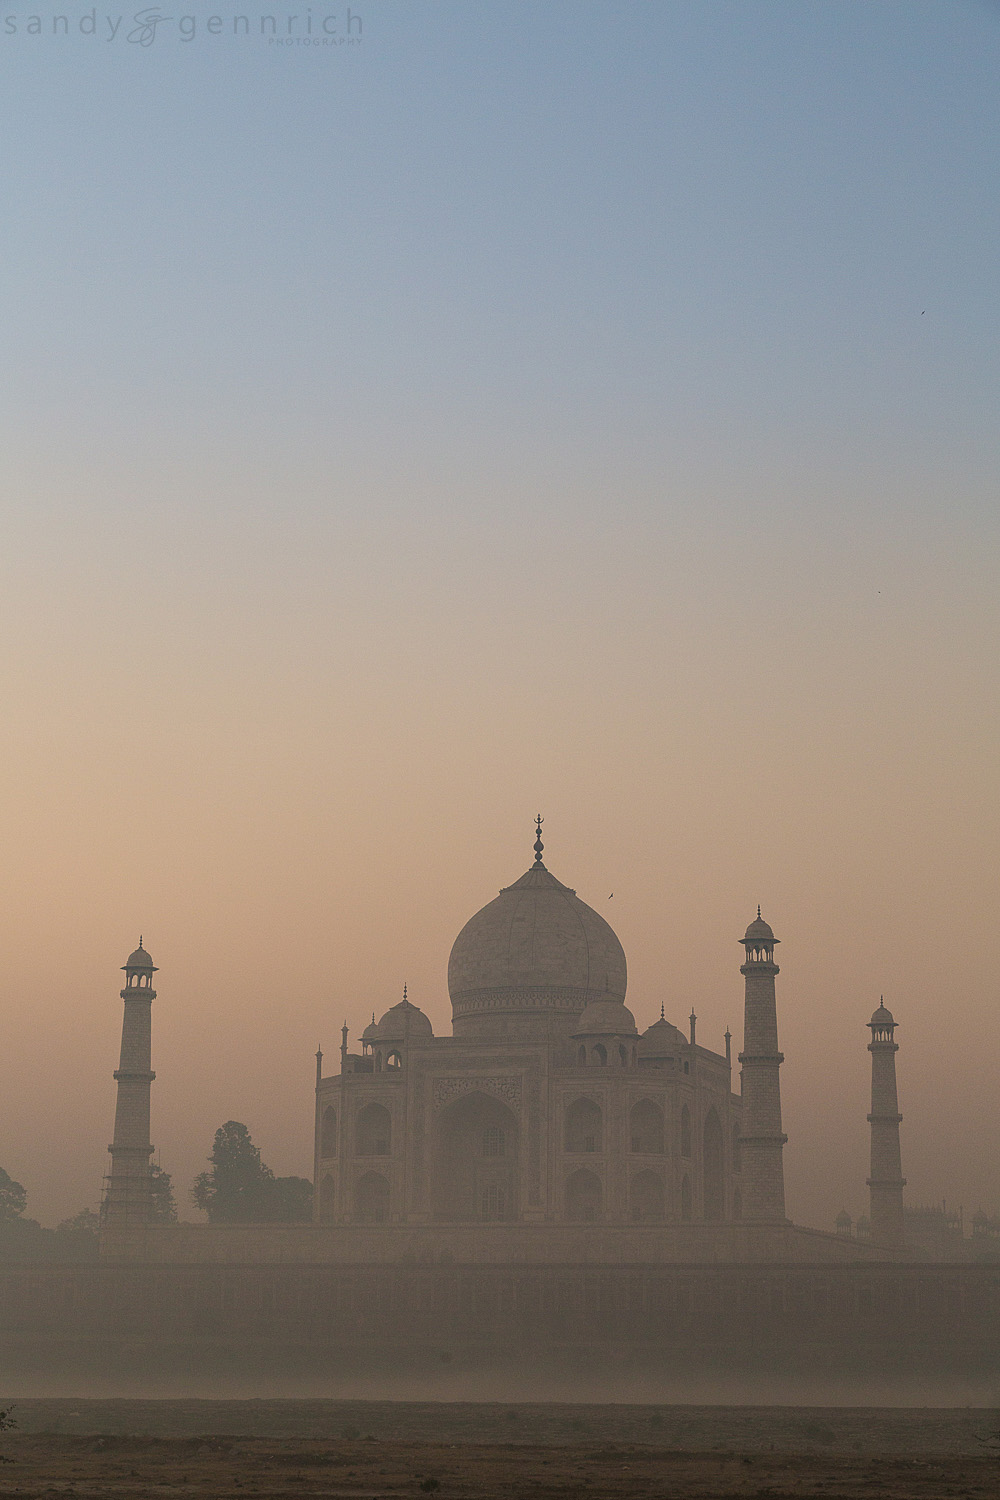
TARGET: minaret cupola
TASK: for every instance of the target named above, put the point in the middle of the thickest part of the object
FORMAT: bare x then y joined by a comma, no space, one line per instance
138,969
759,942
882,1025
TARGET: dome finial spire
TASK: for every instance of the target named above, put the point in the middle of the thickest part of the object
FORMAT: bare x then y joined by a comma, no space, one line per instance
539,846
758,911
405,1001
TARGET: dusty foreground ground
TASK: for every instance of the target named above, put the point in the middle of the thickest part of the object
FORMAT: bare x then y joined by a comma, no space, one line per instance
371,1449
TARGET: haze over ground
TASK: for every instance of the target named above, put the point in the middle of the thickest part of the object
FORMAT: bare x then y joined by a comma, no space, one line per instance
578,408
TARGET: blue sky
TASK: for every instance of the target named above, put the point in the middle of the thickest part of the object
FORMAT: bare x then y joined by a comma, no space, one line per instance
591,224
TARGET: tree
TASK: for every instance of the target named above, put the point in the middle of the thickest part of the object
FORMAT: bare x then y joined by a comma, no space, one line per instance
231,1190
84,1222
20,1238
24,1239
164,1209
77,1238
239,1188
13,1199
6,1423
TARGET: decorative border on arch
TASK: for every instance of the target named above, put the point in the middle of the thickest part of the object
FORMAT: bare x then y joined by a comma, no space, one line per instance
447,1090
569,1097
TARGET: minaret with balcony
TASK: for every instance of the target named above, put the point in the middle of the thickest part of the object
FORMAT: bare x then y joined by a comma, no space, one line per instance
886,1182
127,1208
761,1137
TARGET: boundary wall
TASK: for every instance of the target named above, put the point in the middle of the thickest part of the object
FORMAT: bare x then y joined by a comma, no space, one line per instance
142,1319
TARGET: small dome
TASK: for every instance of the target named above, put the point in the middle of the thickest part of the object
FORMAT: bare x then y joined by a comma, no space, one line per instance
140,959
759,932
882,1016
371,1030
606,1018
844,1220
662,1039
400,1023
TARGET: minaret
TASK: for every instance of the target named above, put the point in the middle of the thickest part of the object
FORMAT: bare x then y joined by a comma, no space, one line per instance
128,1201
763,1177
887,1181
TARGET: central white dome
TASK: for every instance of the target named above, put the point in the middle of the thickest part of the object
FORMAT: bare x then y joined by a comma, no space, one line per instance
537,951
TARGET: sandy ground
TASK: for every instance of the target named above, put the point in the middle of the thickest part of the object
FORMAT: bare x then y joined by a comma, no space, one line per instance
373,1449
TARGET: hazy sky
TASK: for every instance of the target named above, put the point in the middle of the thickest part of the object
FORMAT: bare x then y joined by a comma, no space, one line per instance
585,408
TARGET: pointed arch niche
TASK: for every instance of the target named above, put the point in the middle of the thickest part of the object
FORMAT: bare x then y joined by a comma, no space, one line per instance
584,1197
476,1161
584,1127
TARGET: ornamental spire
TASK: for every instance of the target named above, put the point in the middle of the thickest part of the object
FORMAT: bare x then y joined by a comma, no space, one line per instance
539,846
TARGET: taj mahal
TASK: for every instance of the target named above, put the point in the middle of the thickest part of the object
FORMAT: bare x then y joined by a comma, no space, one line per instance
546,1183
546,1105
545,1125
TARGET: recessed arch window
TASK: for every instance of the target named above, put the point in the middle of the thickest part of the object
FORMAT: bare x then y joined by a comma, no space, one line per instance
646,1128
584,1197
475,1171
328,1132
713,1169
371,1199
584,1126
374,1131
646,1198
493,1205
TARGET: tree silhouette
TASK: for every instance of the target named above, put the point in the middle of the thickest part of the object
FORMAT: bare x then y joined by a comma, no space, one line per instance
239,1188
13,1199
164,1209
6,1422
